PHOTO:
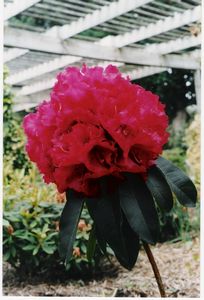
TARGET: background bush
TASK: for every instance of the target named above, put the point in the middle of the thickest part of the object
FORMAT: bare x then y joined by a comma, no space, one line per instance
183,150
192,139
30,239
14,139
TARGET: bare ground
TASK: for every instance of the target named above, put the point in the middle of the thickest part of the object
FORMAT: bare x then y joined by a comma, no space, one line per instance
178,264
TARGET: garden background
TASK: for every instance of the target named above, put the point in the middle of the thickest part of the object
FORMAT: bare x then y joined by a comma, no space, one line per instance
31,209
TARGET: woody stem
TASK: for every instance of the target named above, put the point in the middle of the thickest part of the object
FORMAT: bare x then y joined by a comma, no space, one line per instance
155,269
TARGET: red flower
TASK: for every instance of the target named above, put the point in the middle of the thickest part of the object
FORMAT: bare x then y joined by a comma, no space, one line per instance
96,124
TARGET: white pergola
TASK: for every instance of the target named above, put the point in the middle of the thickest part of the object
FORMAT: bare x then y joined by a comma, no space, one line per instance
141,37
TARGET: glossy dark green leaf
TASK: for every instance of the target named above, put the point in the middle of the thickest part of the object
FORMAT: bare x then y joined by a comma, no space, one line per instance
159,188
68,224
131,241
91,245
101,242
179,182
106,213
101,211
139,208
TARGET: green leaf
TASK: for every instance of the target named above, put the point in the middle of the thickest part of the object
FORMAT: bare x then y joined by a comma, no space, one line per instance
5,241
44,205
20,233
33,224
29,247
13,252
91,245
131,240
100,241
29,238
47,215
35,251
159,188
51,235
139,208
179,182
106,213
68,224
5,223
83,247
45,228
7,255
48,249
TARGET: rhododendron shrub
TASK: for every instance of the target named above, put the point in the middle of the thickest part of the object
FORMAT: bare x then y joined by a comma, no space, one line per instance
99,138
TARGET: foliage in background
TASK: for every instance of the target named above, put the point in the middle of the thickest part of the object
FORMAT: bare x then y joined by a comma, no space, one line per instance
183,150
31,217
177,156
192,138
180,224
14,140
175,150
20,185
30,238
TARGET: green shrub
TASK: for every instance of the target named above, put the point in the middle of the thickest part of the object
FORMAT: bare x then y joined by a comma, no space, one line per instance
20,185
30,208
177,156
179,224
30,238
176,138
14,139
30,234
192,138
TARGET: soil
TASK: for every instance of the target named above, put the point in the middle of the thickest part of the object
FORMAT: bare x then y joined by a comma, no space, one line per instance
178,264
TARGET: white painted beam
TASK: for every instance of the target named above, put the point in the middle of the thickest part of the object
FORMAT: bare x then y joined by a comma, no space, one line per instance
32,40
161,48
21,38
23,106
161,26
144,72
13,53
64,61
99,16
25,102
46,67
16,7
174,45
42,68
37,87
95,18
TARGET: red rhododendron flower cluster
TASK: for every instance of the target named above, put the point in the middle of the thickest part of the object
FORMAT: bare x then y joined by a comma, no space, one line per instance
96,124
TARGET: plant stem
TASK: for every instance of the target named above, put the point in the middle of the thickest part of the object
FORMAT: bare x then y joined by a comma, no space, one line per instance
155,269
